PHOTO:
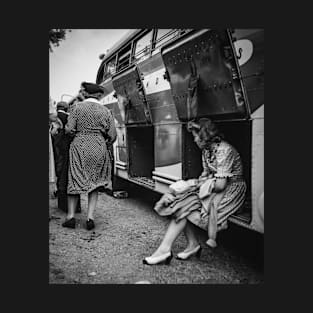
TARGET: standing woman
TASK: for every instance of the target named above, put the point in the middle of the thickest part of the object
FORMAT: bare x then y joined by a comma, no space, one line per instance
93,128
218,193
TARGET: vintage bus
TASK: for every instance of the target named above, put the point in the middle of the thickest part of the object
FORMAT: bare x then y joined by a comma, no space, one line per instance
146,77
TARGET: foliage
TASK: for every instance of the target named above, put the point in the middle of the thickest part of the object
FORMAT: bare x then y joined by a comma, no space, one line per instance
55,36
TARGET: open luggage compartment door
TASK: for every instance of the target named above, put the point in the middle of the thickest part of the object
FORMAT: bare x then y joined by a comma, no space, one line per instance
131,97
209,55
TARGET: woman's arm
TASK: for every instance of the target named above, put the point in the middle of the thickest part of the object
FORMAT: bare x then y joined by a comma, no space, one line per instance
55,125
70,127
206,172
109,130
224,160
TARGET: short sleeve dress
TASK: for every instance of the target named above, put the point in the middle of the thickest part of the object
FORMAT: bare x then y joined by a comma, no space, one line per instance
222,160
92,125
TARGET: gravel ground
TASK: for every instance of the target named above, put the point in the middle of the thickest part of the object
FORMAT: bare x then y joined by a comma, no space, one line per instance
127,230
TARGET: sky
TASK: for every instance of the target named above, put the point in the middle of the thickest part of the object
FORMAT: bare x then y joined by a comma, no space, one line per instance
76,59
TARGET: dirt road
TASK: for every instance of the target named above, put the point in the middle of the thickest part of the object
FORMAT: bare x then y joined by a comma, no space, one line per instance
127,230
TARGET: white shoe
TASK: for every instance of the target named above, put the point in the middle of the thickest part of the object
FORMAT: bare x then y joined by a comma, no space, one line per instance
211,243
185,255
164,258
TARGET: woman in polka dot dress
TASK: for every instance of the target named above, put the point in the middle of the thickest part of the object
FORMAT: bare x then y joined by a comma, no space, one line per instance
92,125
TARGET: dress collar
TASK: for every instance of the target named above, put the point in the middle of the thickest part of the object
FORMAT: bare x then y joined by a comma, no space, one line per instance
92,100
63,112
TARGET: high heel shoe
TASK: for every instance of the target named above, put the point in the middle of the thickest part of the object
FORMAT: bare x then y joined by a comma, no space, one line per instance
186,255
162,259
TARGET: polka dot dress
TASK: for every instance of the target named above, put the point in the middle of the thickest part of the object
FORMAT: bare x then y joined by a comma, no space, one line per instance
92,125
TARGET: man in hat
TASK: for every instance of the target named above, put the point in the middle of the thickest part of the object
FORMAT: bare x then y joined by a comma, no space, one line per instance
61,142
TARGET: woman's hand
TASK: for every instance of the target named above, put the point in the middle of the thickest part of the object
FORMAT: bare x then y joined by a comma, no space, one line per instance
220,184
69,131
168,198
203,177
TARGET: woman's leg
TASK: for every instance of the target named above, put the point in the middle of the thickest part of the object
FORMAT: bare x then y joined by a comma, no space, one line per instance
92,202
71,204
173,230
192,240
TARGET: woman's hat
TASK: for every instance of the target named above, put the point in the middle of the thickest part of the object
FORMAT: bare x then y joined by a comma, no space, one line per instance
92,88
62,105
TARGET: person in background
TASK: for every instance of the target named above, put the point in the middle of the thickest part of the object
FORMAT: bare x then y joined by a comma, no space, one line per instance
206,202
61,142
54,125
93,128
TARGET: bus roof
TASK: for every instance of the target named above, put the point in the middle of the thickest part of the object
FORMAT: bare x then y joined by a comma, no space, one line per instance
127,37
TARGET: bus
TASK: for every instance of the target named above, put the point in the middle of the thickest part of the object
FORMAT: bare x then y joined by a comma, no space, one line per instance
146,77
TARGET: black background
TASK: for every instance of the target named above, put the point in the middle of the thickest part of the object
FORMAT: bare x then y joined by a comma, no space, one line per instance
25,148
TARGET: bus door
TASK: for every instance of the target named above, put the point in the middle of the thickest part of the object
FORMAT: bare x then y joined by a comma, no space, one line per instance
131,100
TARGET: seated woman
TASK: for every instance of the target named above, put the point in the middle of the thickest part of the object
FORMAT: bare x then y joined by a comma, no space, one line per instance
214,196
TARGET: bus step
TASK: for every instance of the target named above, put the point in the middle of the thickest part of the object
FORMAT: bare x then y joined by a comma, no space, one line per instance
143,181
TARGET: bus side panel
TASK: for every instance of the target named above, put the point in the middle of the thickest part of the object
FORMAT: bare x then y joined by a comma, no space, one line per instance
131,97
161,107
249,46
258,170
157,90
110,101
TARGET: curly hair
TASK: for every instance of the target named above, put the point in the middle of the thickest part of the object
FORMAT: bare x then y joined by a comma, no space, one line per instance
207,131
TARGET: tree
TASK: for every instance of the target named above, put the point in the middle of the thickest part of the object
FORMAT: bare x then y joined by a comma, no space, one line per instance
55,36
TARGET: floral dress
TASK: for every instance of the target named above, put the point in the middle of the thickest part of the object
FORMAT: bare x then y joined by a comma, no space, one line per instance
211,212
89,160
222,161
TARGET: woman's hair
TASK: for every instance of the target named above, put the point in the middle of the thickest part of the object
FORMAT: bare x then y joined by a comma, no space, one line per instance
207,131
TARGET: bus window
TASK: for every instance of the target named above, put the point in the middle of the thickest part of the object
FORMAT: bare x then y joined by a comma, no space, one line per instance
101,75
163,36
123,58
143,47
185,31
111,67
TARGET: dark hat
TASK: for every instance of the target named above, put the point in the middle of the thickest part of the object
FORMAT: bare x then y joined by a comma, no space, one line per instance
62,105
92,88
